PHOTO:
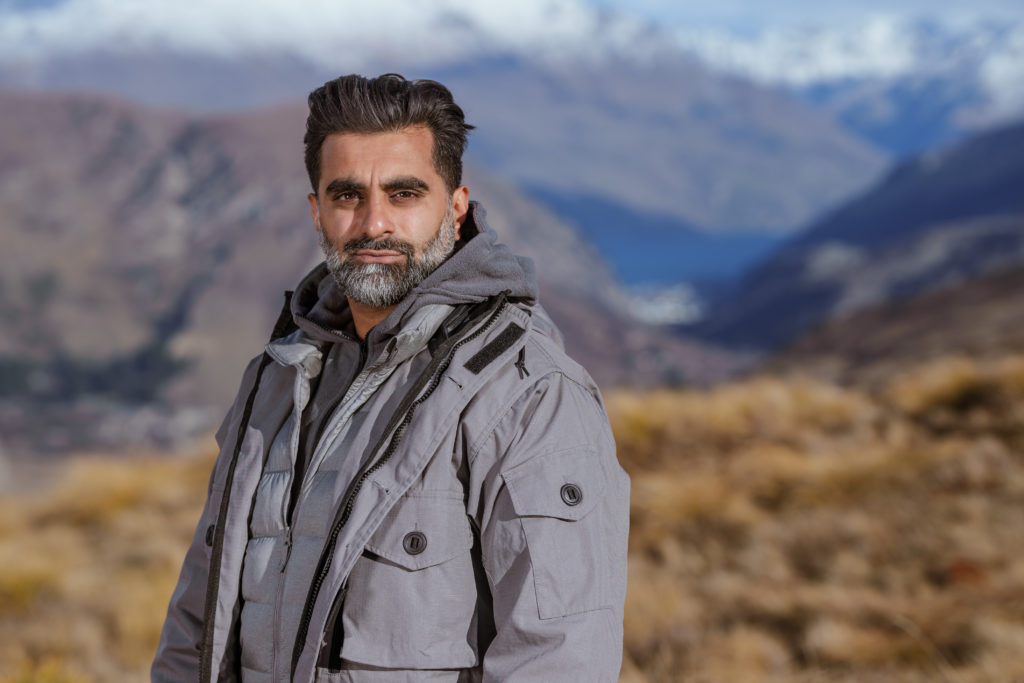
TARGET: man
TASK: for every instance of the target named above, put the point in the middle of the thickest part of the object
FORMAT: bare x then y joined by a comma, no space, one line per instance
415,482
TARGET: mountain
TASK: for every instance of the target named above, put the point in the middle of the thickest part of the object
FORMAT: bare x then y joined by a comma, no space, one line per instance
943,217
982,319
662,138
906,85
664,142
145,253
576,105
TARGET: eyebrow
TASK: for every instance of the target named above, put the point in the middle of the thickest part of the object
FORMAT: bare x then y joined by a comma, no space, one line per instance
405,183
340,185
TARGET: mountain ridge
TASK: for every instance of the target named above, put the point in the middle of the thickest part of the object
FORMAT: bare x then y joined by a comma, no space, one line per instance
944,216
146,252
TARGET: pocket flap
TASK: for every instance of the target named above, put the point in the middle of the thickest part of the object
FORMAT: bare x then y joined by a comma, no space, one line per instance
564,484
420,532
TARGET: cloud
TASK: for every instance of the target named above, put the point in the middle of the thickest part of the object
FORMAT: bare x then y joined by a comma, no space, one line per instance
988,56
866,39
754,17
322,31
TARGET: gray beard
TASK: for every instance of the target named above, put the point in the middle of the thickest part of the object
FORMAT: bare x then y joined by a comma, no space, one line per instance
380,285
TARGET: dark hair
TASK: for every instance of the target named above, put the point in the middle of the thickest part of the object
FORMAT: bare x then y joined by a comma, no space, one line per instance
388,103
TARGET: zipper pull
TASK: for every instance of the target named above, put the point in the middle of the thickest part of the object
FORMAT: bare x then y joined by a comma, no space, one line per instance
521,364
287,549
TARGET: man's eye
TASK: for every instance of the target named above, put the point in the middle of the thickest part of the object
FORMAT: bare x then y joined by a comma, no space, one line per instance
346,197
404,194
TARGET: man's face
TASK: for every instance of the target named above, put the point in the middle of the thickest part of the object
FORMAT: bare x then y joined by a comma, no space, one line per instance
384,217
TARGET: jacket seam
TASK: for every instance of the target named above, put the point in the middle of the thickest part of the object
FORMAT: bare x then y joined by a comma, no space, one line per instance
474,449
488,431
559,367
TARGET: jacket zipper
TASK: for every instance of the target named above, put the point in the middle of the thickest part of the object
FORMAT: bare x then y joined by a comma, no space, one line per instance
293,504
213,579
282,327
336,333
298,486
435,371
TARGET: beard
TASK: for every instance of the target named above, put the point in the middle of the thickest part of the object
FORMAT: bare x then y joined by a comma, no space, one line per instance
380,285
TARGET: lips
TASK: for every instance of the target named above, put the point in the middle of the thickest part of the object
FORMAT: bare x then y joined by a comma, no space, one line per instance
378,256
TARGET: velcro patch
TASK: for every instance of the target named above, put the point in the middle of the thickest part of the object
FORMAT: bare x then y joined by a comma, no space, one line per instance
494,348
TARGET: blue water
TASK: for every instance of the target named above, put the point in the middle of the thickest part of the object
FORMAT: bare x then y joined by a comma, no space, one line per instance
650,248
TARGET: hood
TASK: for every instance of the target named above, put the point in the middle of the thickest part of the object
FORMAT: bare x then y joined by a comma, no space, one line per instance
479,268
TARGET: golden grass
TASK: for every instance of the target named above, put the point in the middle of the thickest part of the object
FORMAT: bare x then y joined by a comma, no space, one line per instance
786,530
781,530
46,671
87,568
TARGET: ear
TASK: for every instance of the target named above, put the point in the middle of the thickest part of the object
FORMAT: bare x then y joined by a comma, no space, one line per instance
460,208
314,210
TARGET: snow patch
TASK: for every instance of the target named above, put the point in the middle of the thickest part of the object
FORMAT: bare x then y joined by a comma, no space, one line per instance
671,305
832,261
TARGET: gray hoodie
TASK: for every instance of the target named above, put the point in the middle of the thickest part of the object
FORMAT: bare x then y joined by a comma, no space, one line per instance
461,515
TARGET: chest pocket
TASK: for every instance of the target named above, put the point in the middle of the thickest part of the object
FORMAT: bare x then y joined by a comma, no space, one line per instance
557,497
411,600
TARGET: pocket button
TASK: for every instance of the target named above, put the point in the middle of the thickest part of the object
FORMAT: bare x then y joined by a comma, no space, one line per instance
571,494
414,542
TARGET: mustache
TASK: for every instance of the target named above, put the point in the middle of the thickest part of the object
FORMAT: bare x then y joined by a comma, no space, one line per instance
385,244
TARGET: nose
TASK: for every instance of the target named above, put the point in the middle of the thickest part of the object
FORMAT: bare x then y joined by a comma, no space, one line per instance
376,217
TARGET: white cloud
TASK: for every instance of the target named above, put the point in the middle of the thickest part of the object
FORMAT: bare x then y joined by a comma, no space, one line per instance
853,40
753,17
322,31
986,54
877,48
1003,76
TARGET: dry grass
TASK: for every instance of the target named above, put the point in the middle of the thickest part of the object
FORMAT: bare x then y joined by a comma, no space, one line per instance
782,530
87,568
794,531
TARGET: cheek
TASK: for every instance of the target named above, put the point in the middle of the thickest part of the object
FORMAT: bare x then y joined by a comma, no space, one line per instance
335,226
428,224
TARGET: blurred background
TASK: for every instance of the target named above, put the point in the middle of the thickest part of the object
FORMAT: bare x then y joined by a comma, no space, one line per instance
786,238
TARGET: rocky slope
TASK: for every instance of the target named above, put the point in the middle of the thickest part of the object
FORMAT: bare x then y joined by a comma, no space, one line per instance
145,253
578,99
982,319
943,217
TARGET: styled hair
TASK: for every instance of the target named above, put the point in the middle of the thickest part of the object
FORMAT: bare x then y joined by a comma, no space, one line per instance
388,103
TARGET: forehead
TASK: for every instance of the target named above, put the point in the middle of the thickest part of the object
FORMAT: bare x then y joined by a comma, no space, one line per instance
407,151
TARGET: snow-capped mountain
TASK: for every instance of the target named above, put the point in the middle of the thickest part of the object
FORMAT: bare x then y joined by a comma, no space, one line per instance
939,219
588,104
611,120
905,85
327,33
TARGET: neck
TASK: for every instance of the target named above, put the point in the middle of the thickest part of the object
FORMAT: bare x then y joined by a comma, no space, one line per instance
365,318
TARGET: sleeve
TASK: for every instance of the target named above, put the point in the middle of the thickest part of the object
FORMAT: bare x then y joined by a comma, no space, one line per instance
553,516
178,654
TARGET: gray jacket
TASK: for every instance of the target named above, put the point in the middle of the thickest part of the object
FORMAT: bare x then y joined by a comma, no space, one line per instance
463,516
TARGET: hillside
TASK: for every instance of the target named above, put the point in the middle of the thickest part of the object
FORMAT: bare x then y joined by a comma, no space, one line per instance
944,217
145,253
567,96
983,318
781,530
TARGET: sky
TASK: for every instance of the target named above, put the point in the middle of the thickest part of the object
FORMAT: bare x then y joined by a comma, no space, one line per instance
764,40
742,16
753,16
